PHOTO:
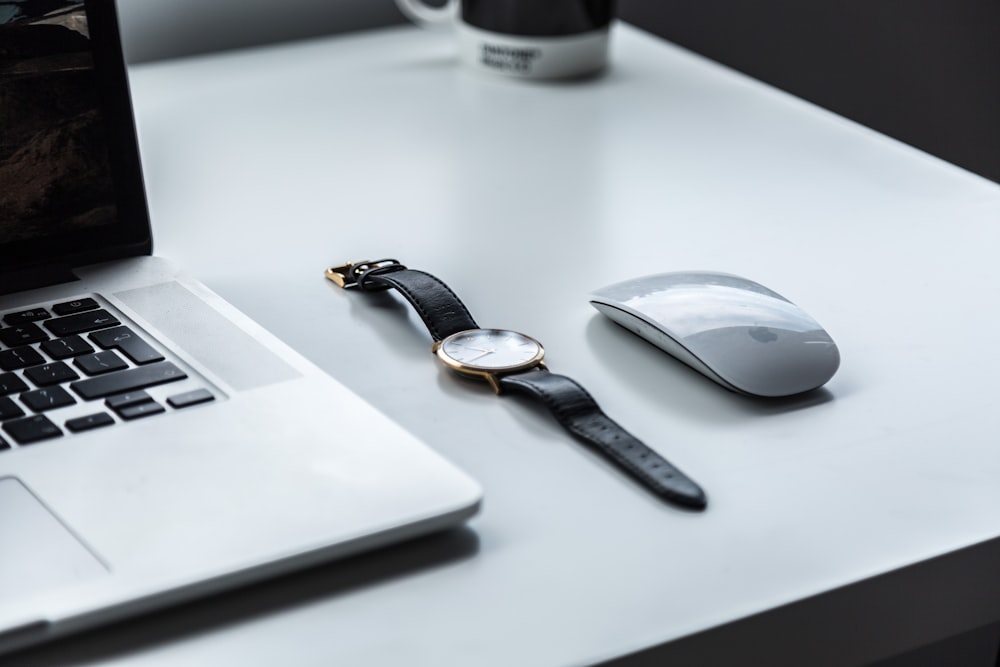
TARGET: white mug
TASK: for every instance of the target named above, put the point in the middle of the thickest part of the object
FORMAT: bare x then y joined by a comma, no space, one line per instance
532,39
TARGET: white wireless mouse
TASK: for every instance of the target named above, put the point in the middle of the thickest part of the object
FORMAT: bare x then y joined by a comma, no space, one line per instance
737,332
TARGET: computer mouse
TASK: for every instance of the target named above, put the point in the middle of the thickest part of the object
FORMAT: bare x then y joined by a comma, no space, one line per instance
737,332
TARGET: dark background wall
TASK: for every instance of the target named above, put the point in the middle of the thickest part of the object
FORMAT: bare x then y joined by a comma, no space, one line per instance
926,72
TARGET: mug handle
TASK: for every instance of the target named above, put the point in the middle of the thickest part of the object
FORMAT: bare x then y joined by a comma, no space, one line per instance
428,16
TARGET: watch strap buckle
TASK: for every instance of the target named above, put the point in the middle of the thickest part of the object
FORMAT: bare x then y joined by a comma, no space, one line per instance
355,274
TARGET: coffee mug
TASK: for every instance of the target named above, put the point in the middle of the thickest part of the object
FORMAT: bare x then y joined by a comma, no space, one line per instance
532,39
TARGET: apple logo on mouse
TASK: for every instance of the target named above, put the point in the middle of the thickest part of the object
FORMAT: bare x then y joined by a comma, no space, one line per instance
762,334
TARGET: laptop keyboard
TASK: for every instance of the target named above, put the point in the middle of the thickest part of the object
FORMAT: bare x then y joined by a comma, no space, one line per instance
74,366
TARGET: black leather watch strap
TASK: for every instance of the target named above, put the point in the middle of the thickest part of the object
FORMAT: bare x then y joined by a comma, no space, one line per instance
579,413
440,309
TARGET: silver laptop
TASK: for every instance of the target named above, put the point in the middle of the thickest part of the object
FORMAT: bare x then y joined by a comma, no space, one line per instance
155,444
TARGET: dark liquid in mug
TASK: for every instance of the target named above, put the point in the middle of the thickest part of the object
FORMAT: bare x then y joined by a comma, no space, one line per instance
538,18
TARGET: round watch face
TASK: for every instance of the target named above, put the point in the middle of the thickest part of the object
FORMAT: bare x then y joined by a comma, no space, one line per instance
490,350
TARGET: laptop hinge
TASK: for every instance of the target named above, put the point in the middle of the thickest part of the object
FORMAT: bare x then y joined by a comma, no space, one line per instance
19,281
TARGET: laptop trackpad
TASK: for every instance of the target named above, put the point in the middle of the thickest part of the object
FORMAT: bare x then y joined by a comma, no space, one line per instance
38,552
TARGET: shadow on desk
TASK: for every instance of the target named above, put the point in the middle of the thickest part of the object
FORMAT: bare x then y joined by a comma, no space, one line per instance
375,568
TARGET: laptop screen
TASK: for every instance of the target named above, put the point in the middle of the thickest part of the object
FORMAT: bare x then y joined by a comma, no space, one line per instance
70,182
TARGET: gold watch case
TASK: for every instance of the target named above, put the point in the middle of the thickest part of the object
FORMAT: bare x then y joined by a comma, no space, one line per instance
489,353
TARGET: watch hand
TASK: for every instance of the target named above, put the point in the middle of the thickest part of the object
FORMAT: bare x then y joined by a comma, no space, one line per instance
480,356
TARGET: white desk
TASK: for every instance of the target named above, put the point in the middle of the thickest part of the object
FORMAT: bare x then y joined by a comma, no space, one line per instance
871,507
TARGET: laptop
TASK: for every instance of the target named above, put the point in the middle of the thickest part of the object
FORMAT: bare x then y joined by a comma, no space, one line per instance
155,443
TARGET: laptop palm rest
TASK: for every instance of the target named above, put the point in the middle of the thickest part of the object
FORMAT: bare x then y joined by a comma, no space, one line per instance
38,552
208,336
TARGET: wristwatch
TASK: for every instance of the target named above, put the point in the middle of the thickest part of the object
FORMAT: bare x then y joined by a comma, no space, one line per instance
513,362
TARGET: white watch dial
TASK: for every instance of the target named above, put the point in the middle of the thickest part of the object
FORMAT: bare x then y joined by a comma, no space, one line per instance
491,350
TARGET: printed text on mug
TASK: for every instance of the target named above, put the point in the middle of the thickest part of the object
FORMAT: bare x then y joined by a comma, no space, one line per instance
509,58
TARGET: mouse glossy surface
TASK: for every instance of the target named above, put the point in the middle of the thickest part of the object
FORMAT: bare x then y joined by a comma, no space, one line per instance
736,331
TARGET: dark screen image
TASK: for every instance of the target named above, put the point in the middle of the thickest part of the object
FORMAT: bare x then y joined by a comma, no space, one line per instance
54,170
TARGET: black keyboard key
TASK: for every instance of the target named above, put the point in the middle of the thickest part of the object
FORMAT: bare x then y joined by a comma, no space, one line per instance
20,357
128,380
81,322
30,315
9,409
140,410
100,363
3,445
47,375
64,348
119,401
49,398
22,334
88,422
77,306
190,398
11,384
128,343
31,429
